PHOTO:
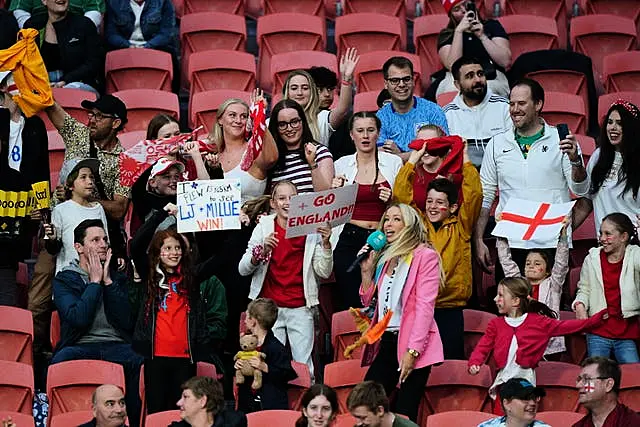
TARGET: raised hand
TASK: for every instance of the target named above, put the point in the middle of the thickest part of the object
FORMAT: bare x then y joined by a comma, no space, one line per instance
384,193
348,63
310,150
270,242
257,96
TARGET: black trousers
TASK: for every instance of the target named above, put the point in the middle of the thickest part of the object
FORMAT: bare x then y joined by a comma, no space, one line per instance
163,377
384,370
352,239
450,323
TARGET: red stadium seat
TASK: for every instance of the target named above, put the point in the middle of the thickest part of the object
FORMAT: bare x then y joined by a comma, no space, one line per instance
54,330
283,63
74,418
138,69
286,32
576,343
425,38
395,8
204,369
19,419
559,381
599,35
297,387
446,98
16,335
343,327
368,73
605,101
308,7
345,420
368,32
129,139
587,145
272,418
221,69
70,100
16,387
626,8
235,7
205,104
458,418
528,33
475,324
144,104
364,101
565,81
162,419
429,7
630,385
451,388
343,376
565,108
559,418
70,384
621,72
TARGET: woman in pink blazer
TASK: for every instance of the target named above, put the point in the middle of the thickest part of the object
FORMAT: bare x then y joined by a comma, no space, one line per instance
403,279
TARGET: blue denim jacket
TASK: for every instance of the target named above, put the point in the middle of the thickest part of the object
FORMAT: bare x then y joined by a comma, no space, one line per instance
158,24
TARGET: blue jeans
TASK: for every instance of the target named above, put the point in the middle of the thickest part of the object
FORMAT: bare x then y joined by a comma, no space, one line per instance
624,351
115,352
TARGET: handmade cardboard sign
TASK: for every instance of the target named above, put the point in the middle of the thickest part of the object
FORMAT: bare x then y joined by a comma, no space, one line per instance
309,211
527,221
208,205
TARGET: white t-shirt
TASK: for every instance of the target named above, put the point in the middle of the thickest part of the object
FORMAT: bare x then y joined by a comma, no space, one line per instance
65,217
324,126
390,295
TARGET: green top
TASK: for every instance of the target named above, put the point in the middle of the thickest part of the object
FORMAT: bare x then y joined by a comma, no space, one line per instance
403,422
526,142
79,7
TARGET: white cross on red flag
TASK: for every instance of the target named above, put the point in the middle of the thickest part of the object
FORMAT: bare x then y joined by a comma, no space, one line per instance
533,222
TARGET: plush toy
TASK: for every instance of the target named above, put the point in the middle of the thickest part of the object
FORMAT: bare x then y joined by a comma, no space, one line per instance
249,344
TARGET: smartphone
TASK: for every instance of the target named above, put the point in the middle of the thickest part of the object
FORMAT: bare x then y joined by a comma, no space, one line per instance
563,130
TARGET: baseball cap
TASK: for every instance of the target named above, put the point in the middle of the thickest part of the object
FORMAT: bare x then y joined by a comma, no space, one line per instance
162,166
108,104
519,388
449,4
72,165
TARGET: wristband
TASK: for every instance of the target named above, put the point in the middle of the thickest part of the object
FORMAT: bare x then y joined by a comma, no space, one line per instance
259,254
314,166
576,162
346,82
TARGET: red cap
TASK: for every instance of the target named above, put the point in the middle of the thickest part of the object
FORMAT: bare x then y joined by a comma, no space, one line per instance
449,4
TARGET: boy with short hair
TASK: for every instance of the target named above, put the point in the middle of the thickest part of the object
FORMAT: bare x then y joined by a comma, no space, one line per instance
276,368
368,403
450,228
79,180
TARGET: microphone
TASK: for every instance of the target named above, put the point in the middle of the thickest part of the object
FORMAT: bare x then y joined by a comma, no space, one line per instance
376,241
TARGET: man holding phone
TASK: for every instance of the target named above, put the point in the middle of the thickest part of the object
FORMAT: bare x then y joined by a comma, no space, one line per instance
533,161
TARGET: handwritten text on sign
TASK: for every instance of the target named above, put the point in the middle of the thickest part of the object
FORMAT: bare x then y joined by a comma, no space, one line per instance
208,205
310,210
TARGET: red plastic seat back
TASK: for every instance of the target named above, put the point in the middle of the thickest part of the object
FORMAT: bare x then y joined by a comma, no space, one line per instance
446,98
397,8
622,72
70,100
209,31
204,106
369,76
235,7
559,418
565,108
343,376
16,387
566,81
54,331
528,33
144,104
605,101
19,419
559,382
283,63
16,335
458,418
343,328
308,7
368,32
162,419
365,101
630,386
475,325
576,343
297,387
554,9
71,384
138,69
625,8
74,418
221,69
425,38
272,418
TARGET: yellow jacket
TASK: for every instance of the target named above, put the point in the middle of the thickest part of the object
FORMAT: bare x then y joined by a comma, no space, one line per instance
29,73
453,239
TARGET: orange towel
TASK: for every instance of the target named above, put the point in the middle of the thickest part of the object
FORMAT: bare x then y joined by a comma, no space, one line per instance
29,73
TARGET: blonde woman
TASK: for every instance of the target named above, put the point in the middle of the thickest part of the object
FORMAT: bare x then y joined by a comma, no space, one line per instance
301,88
404,279
228,134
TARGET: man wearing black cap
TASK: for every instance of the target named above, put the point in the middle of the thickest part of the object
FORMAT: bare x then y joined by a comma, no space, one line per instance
519,399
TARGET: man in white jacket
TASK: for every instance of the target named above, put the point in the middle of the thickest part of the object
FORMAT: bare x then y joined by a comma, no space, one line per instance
527,162
476,113
287,271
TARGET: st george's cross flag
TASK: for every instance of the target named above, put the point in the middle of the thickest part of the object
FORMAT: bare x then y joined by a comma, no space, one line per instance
533,222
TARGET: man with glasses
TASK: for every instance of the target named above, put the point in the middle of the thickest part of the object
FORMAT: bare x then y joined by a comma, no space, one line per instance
406,113
599,385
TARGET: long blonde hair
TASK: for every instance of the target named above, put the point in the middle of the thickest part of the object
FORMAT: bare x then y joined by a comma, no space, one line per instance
216,136
412,235
312,108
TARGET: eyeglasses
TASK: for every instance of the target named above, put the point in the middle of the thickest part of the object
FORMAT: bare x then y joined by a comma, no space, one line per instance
99,116
395,81
584,379
295,124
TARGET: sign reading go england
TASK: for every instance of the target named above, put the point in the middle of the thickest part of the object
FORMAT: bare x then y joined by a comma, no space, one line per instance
208,205
309,211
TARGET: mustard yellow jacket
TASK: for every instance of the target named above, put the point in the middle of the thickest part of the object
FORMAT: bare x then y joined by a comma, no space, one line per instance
453,239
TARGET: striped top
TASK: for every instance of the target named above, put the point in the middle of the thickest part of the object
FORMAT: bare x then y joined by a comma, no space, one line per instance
297,169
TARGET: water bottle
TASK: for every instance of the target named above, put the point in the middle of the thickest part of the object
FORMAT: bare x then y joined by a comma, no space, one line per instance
338,8
418,9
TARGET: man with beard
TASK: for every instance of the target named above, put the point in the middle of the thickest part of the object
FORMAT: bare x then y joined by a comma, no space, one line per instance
475,113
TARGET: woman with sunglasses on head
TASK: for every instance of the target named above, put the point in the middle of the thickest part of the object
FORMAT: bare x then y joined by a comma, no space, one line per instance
375,172
301,88
469,35
301,159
